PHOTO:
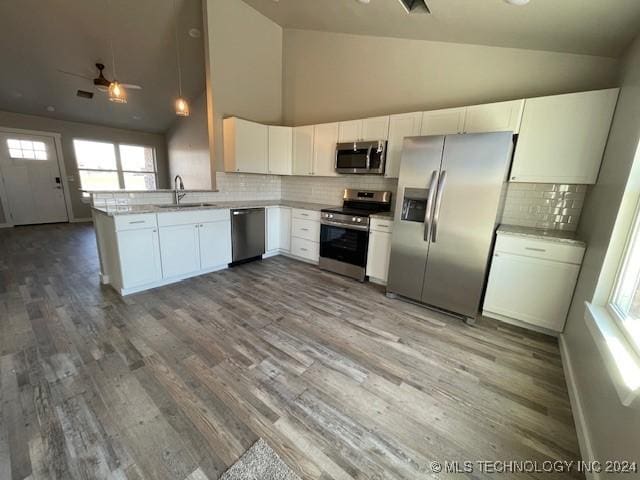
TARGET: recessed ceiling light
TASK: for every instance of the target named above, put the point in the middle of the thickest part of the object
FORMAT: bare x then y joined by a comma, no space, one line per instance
364,1
136,117
51,108
194,33
517,3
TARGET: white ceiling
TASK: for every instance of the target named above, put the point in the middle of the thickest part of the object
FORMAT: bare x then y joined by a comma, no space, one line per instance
39,37
595,27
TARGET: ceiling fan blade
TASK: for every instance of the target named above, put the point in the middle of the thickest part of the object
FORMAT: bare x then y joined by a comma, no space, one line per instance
73,74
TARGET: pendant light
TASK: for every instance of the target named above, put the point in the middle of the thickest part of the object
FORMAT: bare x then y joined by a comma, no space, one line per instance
182,106
117,93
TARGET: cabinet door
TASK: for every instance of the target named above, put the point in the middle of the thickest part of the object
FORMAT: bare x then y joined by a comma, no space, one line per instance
494,117
285,229
325,138
443,122
303,150
562,137
215,244
139,252
532,290
375,128
273,229
180,250
350,131
280,150
400,126
245,146
378,255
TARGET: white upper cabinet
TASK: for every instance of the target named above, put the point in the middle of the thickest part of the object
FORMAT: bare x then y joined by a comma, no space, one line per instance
325,138
374,128
400,126
245,146
280,150
443,122
303,150
562,137
494,117
350,131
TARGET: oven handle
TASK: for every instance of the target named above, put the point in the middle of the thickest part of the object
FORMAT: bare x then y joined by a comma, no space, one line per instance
369,157
362,228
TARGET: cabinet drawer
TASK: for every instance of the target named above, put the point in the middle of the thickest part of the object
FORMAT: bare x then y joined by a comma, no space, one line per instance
543,249
134,222
167,219
305,249
305,214
307,229
381,225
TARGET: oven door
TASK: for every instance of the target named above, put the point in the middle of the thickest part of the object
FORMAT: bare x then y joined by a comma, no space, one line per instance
344,244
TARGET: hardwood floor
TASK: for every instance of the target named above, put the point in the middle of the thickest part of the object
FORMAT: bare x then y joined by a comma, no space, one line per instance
178,382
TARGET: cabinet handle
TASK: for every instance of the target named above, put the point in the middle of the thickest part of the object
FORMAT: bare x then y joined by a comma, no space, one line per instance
154,230
137,221
535,249
304,229
303,249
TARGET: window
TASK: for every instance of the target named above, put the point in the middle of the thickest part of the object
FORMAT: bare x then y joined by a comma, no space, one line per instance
108,166
625,297
27,149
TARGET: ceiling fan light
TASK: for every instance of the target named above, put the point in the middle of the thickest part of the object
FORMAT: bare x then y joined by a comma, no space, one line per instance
182,107
117,93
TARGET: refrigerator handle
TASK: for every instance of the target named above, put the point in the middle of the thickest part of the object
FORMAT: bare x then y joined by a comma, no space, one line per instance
436,213
429,208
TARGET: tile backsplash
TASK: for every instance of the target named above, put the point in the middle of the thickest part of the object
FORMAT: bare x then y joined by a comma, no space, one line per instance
544,205
541,205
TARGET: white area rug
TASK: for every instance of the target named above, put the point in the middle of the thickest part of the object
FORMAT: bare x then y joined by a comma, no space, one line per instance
260,462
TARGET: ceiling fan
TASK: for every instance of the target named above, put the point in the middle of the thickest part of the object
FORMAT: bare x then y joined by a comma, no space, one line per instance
101,82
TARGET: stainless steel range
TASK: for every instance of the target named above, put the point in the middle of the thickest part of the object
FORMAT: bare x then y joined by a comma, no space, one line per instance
344,232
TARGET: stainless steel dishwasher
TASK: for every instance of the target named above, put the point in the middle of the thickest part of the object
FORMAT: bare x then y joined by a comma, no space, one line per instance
247,233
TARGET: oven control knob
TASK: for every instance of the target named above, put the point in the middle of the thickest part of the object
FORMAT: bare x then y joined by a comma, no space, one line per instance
330,215
359,220
353,219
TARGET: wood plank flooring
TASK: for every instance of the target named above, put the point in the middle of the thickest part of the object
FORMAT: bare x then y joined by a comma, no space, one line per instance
178,382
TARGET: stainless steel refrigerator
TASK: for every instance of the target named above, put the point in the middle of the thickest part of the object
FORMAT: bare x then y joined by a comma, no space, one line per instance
447,209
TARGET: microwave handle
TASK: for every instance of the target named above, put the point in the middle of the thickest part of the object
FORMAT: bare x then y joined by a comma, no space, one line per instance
369,157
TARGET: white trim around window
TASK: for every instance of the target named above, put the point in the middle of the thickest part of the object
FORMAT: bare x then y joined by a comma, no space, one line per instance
609,313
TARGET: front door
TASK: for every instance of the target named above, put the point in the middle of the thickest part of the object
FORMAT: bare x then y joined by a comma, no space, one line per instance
32,181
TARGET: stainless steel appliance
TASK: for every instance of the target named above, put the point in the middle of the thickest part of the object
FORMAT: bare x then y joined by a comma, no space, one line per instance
361,157
344,232
247,234
449,193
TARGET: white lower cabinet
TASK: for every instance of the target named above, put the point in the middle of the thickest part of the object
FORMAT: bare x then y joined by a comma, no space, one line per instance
532,281
215,244
139,257
278,233
305,234
379,250
180,249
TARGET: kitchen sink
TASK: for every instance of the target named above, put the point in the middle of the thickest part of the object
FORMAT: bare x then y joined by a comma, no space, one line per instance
188,205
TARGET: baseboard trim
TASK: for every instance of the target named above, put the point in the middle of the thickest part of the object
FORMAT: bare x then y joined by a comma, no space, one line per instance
582,430
81,220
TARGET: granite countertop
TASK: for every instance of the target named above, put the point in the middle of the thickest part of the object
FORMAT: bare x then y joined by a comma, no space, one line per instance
159,190
138,209
560,236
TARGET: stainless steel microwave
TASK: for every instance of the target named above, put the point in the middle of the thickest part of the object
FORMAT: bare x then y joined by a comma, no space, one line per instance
361,157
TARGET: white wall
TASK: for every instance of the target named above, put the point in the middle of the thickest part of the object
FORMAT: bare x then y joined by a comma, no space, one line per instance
188,147
244,63
333,76
71,130
614,430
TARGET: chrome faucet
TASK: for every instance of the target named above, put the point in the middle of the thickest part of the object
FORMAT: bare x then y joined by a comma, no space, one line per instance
176,189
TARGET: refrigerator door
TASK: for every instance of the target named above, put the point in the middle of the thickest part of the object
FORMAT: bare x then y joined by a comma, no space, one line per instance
474,169
421,159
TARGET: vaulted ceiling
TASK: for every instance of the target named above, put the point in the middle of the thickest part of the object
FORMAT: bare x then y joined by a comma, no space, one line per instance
594,27
39,38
